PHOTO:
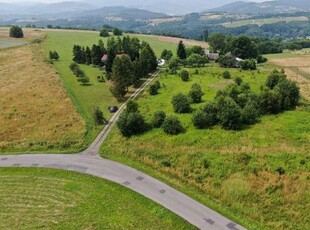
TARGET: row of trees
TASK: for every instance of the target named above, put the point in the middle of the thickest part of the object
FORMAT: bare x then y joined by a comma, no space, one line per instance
87,55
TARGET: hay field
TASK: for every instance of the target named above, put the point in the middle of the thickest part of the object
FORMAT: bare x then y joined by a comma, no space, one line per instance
36,113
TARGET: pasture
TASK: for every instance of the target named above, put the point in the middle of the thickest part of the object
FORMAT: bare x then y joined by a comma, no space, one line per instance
52,199
233,172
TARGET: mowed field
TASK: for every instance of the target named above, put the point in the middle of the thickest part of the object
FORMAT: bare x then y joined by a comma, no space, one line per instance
52,199
36,113
233,172
297,68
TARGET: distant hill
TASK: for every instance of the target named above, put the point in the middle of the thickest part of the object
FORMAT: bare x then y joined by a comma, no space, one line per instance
120,12
268,7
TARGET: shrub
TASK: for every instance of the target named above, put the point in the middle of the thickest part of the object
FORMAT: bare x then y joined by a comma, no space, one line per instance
229,113
250,113
16,32
53,55
280,170
196,93
211,111
98,117
181,103
84,80
261,59
184,75
172,125
153,90
158,119
104,33
269,102
238,80
248,64
132,107
226,62
200,119
226,74
289,94
274,78
131,123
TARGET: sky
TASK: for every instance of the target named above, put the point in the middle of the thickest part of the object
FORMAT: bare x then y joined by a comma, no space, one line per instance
51,1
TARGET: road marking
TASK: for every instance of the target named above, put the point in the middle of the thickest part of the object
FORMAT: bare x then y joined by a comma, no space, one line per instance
126,183
232,226
162,191
16,165
4,159
140,178
209,221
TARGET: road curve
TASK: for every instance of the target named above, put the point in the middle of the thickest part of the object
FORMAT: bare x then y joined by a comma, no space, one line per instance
184,206
89,162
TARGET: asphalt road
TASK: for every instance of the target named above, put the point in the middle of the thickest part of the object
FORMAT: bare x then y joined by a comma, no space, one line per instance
89,162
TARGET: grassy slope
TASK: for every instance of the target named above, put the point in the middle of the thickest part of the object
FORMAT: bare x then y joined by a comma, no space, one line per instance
239,177
52,199
97,94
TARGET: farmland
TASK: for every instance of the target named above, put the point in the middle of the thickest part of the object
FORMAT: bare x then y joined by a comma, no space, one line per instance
261,22
36,113
231,171
52,199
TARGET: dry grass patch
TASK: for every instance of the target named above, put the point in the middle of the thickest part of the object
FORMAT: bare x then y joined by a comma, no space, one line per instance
302,61
185,41
36,113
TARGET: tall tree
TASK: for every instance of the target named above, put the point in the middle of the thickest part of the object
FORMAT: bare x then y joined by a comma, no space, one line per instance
96,55
217,42
181,52
122,75
148,59
77,54
88,56
243,47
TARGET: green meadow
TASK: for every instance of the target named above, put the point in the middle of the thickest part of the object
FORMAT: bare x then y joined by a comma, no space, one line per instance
53,199
233,172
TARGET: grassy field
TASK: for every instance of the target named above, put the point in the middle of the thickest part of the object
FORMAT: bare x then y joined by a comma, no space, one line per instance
261,22
36,113
53,199
233,172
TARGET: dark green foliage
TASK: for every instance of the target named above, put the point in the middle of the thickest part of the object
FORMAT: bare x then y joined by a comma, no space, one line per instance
173,65
269,47
181,52
117,32
195,50
226,74
79,73
137,72
226,62
53,55
132,106
153,90
211,111
84,80
104,33
238,80
270,102
181,103
200,119
166,54
184,75
131,124
248,64
88,56
197,60
148,59
98,117
274,78
289,94
250,113
196,93
172,125
243,47
109,63
217,42
16,32
229,113
122,75
158,119
78,56
261,59
96,55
